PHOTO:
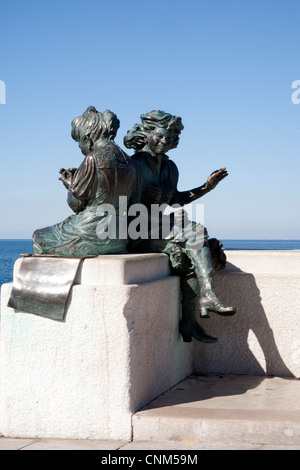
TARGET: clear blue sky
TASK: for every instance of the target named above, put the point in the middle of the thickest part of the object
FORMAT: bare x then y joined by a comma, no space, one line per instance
225,66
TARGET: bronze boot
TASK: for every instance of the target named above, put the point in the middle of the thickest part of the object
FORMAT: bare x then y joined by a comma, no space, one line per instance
189,327
205,274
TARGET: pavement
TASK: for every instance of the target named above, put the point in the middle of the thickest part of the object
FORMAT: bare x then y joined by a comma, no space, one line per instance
203,413
99,445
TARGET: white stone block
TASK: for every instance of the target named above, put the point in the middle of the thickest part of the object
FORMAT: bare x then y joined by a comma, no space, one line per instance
263,338
118,348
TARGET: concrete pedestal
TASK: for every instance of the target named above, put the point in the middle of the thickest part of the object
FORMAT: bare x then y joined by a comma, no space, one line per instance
118,349
263,338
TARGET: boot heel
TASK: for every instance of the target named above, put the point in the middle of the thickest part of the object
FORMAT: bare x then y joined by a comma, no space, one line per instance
187,338
203,312
195,331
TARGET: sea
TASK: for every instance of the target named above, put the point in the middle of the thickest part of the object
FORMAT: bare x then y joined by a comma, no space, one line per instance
10,251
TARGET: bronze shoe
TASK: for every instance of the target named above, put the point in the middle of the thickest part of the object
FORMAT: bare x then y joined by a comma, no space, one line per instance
189,331
217,307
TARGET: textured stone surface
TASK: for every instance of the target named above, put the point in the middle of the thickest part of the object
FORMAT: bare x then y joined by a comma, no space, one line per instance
263,338
121,447
263,261
224,409
73,444
118,349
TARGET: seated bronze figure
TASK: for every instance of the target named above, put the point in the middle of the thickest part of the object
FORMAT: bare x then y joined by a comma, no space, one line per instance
105,174
156,182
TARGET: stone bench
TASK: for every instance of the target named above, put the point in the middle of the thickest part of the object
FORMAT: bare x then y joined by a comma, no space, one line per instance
117,350
120,347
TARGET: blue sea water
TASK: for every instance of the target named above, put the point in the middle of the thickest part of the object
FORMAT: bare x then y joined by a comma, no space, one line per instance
261,244
10,251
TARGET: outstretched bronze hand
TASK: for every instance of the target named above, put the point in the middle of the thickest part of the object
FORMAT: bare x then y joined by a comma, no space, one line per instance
185,197
215,178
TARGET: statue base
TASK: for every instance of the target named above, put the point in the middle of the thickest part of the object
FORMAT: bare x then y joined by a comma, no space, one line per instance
118,348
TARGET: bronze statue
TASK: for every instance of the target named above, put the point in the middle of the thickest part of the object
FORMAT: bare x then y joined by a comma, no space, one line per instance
42,286
156,182
148,178
105,174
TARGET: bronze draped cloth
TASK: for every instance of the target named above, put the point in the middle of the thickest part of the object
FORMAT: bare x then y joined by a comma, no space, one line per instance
43,285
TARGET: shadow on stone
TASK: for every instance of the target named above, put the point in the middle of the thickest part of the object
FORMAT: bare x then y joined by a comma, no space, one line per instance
247,344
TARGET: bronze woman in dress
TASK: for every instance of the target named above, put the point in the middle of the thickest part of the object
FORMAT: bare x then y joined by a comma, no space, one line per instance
188,249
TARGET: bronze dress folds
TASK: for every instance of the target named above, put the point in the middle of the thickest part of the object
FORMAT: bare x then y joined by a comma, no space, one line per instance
100,180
